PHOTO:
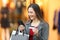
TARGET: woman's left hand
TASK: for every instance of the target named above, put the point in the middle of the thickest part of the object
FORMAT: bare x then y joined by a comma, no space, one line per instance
35,30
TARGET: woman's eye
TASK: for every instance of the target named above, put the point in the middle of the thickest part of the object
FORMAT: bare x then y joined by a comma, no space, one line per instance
30,12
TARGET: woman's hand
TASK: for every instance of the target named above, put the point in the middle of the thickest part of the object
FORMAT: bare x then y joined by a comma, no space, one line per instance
35,30
21,27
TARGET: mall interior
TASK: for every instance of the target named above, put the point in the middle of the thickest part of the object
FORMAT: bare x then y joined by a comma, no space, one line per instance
48,7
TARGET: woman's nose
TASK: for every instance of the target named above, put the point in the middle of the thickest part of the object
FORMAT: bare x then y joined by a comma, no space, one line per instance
29,14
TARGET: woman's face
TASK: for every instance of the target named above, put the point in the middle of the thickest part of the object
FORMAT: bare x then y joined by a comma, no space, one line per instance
31,13
19,4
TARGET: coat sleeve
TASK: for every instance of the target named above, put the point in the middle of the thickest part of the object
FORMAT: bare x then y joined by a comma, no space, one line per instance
45,32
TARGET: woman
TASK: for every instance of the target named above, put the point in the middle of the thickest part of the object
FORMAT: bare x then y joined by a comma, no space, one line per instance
56,22
37,28
19,7
5,24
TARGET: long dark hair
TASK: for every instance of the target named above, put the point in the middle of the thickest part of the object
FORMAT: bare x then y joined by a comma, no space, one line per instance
37,10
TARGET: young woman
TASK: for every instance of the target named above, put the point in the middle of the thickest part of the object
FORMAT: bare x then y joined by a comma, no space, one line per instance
56,22
19,7
5,24
37,28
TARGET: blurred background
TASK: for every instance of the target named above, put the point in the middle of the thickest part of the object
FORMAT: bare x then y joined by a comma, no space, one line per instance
47,6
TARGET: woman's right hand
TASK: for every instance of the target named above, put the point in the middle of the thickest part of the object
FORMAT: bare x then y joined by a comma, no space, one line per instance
21,27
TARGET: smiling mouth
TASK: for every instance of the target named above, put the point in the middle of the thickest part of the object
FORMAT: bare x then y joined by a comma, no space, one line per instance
31,16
